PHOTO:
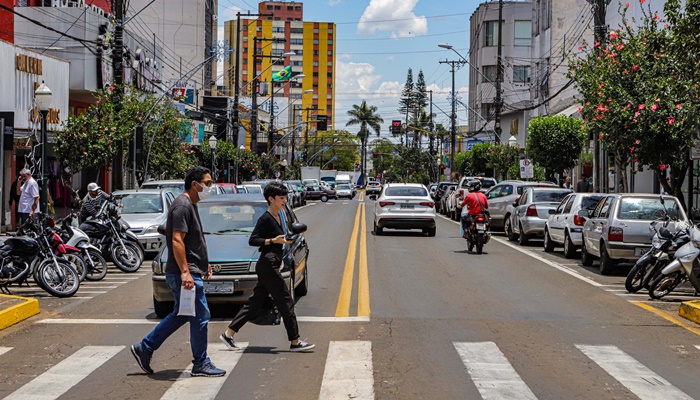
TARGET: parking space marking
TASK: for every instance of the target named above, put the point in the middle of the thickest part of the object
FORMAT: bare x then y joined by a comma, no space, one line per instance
144,321
665,316
63,376
363,309
492,373
698,347
4,350
348,373
343,307
632,374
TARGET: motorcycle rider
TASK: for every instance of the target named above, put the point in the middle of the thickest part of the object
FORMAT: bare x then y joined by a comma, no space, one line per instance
92,202
476,203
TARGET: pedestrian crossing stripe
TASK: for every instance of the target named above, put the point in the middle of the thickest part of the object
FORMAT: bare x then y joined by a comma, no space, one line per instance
348,373
632,374
66,374
187,387
494,377
4,350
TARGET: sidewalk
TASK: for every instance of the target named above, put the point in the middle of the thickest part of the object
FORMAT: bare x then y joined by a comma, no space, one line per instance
690,310
14,309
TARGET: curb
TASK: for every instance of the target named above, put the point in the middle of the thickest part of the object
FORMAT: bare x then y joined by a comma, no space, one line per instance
18,312
690,310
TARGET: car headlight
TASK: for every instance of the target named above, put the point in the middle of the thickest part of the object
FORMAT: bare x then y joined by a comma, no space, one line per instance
251,268
151,229
656,242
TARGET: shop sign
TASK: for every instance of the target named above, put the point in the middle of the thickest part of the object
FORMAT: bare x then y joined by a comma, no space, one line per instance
28,64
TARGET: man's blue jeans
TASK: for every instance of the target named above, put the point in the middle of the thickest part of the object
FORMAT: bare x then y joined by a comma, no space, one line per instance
172,322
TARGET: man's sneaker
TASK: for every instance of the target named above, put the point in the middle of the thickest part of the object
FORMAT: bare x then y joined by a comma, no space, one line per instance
302,346
228,341
207,369
142,357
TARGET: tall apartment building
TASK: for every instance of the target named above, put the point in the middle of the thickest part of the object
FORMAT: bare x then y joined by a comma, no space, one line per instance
313,43
516,66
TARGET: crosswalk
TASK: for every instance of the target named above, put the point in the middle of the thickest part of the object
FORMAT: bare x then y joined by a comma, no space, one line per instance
349,373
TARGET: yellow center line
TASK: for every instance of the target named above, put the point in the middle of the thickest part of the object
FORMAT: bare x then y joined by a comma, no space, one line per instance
361,197
666,317
363,277
343,307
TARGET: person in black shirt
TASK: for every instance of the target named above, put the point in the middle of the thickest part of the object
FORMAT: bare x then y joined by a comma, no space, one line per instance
270,237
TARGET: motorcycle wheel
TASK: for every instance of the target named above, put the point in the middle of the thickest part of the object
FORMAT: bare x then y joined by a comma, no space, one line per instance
61,281
127,259
480,243
78,263
635,278
664,284
96,266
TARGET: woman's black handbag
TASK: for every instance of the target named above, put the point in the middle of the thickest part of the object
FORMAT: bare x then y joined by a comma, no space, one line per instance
268,314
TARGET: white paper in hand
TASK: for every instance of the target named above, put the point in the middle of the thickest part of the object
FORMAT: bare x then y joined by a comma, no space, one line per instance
187,302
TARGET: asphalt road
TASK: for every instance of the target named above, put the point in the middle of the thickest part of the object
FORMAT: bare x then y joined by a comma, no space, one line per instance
398,316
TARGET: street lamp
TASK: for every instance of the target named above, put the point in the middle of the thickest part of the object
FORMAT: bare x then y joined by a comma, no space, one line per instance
283,165
42,96
271,129
512,141
238,161
212,146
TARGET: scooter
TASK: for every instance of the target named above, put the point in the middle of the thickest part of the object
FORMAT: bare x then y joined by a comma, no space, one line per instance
96,266
686,267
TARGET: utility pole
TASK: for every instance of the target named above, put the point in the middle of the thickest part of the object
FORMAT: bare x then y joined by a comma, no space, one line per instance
453,114
236,84
600,36
499,74
117,65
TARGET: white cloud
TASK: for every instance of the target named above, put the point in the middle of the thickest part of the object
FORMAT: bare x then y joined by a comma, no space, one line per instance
395,16
355,77
390,58
334,3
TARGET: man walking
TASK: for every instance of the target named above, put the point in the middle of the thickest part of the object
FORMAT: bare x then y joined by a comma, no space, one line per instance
187,265
28,192
582,185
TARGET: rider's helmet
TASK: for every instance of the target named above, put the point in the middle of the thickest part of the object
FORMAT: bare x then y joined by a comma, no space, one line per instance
474,185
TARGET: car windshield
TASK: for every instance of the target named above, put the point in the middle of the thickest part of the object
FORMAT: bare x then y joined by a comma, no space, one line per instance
589,202
140,203
230,219
487,183
647,208
406,191
549,195
175,188
343,187
254,189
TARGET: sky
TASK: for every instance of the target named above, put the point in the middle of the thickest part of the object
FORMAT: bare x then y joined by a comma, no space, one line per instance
378,40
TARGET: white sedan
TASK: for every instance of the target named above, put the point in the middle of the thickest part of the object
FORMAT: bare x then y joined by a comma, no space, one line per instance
404,206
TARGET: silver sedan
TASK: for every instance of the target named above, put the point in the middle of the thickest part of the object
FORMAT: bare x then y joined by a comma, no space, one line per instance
532,209
144,210
404,206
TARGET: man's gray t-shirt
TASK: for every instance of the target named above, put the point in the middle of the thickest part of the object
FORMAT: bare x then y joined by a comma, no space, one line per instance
184,217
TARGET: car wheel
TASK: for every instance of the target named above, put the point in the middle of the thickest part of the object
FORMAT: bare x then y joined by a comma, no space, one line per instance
509,229
586,259
548,243
606,263
303,288
431,231
162,308
569,247
377,230
324,198
523,239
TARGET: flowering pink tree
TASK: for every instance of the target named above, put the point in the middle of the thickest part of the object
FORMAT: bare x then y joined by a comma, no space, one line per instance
639,93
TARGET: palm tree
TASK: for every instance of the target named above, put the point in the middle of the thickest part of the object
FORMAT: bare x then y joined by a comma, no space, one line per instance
367,117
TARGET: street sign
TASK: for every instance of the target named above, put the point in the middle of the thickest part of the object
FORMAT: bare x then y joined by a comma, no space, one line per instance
404,126
527,170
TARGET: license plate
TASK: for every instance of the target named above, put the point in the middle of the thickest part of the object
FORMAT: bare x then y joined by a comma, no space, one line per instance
640,251
407,206
218,287
481,227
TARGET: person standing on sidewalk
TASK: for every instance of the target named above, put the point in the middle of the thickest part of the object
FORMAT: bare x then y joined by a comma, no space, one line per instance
28,195
187,265
269,235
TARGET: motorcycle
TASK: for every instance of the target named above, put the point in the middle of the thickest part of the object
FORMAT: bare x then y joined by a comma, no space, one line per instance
37,255
95,264
477,232
112,237
686,267
664,246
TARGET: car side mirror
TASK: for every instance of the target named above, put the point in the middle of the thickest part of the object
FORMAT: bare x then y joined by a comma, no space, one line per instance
298,227
373,197
161,229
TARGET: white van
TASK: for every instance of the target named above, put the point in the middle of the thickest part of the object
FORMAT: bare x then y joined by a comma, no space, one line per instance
342,178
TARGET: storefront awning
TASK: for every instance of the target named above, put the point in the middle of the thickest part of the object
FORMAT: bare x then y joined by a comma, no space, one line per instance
571,111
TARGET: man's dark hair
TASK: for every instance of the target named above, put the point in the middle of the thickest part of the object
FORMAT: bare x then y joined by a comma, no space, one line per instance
274,189
196,174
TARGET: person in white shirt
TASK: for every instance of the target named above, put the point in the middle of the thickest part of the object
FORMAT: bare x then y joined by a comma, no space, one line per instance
28,195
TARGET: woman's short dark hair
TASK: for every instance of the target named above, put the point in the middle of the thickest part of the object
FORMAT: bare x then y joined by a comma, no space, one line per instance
274,189
196,174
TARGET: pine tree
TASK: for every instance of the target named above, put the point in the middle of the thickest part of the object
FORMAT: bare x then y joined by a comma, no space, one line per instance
421,101
407,97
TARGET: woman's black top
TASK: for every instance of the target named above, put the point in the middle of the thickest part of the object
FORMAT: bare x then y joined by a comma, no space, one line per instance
267,227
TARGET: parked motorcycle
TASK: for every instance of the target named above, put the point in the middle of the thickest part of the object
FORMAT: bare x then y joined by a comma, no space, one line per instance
664,245
37,255
95,264
112,236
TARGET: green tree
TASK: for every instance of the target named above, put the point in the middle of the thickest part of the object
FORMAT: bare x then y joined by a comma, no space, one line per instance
555,142
342,150
367,117
502,157
478,159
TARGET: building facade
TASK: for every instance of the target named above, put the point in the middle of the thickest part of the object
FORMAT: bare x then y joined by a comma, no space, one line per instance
7,21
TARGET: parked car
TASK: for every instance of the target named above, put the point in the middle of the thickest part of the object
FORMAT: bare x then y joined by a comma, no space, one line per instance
253,189
449,190
344,190
618,227
501,198
176,186
404,206
432,189
145,210
293,198
241,189
373,188
441,186
565,226
227,222
532,210
229,188
320,193
299,187
452,200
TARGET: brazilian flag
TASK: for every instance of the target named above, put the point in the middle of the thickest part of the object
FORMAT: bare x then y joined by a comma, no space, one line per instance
282,75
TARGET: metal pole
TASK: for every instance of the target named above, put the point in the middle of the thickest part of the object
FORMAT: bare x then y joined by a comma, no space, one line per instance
212,163
499,74
271,129
431,148
453,132
600,35
236,83
118,164
43,199
294,131
2,173
306,139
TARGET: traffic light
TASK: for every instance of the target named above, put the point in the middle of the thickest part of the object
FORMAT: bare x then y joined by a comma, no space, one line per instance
396,127
442,167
